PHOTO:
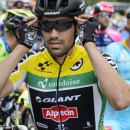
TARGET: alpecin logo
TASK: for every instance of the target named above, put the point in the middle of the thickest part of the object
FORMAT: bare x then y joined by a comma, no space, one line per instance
53,113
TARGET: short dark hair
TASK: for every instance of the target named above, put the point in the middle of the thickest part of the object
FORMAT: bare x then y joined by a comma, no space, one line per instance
9,31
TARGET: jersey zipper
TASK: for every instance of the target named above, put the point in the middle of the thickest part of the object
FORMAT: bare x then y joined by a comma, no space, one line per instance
57,90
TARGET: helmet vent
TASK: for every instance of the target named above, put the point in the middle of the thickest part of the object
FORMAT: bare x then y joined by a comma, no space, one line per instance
74,11
9,16
42,3
52,4
22,13
64,3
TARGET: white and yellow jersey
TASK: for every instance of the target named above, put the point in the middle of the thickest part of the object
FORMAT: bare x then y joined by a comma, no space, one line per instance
71,87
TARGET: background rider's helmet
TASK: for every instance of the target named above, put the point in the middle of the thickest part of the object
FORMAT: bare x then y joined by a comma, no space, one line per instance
20,3
103,6
15,2
14,17
69,8
128,14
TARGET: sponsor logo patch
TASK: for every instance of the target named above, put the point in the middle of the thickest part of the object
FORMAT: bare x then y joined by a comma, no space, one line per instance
77,65
42,67
97,31
122,55
108,128
66,113
51,13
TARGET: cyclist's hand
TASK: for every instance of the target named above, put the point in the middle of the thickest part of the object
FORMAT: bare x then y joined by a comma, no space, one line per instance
89,30
28,30
24,97
81,19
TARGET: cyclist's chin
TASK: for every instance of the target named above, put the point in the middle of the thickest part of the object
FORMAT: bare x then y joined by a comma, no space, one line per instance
103,27
57,52
106,23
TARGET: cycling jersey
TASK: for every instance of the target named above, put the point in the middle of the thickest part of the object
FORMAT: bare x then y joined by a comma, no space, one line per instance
80,100
125,33
106,37
5,50
2,24
119,120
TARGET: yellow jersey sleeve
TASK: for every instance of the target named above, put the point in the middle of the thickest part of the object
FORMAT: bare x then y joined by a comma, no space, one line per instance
19,74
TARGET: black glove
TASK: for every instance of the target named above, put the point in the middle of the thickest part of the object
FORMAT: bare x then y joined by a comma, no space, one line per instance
27,34
89,30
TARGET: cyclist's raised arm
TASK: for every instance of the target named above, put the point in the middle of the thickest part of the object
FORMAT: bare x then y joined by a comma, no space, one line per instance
8,65
6,68
112,85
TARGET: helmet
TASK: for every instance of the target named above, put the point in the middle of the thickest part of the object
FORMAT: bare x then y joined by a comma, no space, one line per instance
69,8
128,14
14,17
103,6
23,1
16,1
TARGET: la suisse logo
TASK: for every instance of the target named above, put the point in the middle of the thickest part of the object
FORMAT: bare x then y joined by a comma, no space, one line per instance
53,113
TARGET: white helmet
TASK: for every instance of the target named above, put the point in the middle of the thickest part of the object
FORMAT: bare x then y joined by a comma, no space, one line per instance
23,1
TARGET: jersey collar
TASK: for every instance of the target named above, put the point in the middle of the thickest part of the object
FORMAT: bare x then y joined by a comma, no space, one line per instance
68,58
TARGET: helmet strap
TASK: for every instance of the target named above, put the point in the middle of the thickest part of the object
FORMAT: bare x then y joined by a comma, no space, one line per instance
75,33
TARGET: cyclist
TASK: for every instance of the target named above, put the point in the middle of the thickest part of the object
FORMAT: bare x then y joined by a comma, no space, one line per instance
125,31
103,11
17,4
62,79
120,52
7,43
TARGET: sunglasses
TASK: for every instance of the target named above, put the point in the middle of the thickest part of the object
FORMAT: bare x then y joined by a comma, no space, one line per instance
104,15
60,25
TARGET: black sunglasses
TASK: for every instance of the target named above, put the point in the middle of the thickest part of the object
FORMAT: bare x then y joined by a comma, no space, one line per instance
60,25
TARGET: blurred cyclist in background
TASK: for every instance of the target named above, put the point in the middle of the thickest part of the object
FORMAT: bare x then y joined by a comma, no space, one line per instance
103,12
2,9
17,4
120,52
7,43
125,31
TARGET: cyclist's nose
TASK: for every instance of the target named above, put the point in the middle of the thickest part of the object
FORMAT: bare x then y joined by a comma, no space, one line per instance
54,33
107,17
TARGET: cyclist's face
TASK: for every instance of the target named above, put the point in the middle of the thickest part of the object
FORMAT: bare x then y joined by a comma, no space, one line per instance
58,43
128,24
104,20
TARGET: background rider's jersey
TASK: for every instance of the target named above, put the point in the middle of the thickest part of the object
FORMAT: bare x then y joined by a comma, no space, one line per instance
80,100
1,23
125,33
121,55
106,37
4,49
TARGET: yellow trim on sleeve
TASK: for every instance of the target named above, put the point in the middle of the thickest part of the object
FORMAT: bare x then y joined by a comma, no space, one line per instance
124,44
